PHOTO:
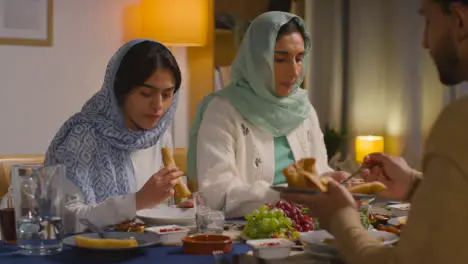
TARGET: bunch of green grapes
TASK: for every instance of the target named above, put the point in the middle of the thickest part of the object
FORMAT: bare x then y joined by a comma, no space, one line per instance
268,222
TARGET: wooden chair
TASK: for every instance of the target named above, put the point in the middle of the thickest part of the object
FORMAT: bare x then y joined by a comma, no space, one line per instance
6,161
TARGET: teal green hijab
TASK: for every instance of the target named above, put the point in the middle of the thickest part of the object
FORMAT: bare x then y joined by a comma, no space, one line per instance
251,90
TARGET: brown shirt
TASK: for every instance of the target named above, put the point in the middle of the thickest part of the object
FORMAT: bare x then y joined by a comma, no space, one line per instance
436,231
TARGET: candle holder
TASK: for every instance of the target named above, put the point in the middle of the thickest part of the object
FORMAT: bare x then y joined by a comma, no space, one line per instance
366,145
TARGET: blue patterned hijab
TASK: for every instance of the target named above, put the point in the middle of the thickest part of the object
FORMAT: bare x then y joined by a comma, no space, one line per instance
95,144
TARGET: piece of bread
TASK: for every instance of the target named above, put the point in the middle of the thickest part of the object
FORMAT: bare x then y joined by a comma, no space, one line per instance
303,174
180,188
368,188
167,157
105,242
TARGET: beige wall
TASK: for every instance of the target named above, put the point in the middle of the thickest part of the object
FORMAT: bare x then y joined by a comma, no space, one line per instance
42,86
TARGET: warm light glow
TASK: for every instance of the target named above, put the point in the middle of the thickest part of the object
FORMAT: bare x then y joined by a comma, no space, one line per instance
176,22
368,144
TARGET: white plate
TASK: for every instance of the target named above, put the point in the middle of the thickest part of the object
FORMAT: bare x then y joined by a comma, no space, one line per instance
165,215
398,210
314,239
397,221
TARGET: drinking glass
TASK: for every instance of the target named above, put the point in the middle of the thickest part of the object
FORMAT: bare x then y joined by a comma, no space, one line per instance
38,204
215,222
7,221
207,220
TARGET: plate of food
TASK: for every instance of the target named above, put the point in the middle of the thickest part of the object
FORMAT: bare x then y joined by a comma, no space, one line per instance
130,226
322,240
113,241
302,177
167,215
286,189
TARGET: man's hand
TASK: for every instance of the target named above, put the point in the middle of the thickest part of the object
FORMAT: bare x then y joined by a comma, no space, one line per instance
324,205
392,171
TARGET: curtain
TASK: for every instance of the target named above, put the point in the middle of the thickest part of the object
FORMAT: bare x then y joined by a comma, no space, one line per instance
370,74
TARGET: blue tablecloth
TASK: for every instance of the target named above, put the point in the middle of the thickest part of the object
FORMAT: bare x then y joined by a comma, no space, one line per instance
153,255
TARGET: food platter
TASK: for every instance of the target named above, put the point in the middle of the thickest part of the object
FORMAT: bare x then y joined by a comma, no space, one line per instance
317,239
286,189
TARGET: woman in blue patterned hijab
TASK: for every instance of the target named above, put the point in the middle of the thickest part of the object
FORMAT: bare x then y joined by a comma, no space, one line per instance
115,134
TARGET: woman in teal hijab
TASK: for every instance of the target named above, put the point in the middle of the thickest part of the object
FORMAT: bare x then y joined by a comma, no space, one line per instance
246,134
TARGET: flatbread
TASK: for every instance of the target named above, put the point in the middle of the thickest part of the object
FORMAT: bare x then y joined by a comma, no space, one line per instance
180,188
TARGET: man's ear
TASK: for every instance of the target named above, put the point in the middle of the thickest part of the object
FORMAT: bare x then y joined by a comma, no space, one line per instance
459,11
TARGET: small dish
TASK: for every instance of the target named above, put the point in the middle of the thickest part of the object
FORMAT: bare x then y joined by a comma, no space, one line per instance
398,221
397,210
204,244
170,234
272,248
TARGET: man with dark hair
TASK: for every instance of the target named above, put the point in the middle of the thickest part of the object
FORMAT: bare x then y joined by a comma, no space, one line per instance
446,3
435,230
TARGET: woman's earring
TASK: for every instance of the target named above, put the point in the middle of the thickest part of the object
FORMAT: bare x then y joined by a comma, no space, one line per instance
245,130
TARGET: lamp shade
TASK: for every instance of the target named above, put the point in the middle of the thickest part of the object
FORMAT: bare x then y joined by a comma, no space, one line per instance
366,145
175,22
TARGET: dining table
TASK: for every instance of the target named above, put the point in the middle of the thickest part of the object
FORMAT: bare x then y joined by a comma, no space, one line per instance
173,254
154,254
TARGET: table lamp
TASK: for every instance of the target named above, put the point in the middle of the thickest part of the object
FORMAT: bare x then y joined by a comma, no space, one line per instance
366,145
178,24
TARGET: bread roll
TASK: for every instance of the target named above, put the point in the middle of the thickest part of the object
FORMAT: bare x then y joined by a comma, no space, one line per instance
180,188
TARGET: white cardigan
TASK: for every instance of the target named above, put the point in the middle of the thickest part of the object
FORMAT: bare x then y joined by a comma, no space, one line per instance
236,161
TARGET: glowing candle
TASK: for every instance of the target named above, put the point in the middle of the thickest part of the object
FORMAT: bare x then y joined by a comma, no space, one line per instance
365,145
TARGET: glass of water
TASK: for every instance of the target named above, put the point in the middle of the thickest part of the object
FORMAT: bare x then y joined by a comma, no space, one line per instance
215,222
38,204
207,220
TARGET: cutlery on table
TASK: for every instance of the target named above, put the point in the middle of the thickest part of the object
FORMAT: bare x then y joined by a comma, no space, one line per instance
101,233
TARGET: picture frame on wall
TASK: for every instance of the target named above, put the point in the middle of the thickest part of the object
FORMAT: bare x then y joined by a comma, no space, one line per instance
26,22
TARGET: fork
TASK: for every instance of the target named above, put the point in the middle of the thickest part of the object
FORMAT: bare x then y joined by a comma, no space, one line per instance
354,174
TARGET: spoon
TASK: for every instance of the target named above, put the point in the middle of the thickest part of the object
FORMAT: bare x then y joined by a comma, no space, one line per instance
93,227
